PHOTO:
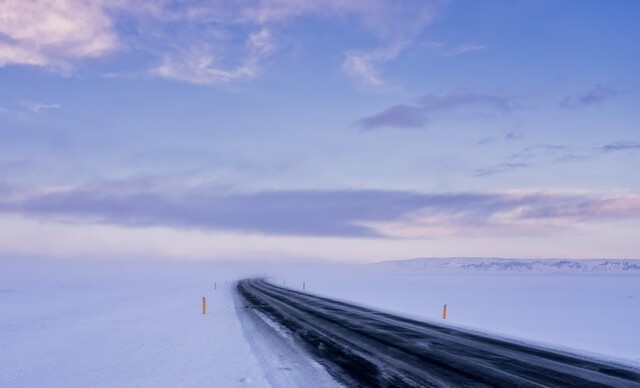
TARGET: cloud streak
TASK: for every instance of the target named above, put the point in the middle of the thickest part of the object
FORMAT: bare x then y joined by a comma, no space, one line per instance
364,66
432,106
499,168
553,153
37,107
621,146
595,96
334,213
452,51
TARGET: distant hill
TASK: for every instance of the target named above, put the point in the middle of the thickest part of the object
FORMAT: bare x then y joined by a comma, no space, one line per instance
476,264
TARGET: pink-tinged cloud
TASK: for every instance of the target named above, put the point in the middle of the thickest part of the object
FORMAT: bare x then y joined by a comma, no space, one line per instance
338,213
54,33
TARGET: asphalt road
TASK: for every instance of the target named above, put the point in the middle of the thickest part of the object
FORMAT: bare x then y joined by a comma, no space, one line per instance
364,347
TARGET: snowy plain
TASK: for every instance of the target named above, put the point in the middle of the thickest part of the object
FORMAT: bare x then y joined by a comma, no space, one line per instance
80,324
117,324
579,307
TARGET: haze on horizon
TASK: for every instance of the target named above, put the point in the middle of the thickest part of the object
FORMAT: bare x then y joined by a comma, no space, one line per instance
346,130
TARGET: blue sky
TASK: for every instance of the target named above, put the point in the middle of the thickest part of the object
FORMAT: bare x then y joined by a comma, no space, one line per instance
293,129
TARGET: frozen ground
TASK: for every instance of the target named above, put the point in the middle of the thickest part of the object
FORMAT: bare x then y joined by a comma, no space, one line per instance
136,324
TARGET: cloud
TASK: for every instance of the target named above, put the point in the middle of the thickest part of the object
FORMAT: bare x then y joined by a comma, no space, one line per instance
365,66
337,213
198,42
512,214
36,107
537,154
621,146
386,19
431,106
595,96
396,27
463,49
499,168
551,153
54,34
199,66
393,25
514,135
451,51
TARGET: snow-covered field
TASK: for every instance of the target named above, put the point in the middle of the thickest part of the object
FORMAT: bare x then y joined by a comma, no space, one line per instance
140,324
593,313
121,324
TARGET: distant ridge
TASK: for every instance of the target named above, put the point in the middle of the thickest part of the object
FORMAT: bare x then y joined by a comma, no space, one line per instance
494,264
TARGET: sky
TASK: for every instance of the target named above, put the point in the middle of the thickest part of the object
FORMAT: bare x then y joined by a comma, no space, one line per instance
298,130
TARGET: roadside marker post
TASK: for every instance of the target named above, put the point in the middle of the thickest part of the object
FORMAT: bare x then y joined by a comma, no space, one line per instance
204,305
304,286
444,312
215,285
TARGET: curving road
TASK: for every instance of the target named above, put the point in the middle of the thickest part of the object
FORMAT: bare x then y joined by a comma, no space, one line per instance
364,347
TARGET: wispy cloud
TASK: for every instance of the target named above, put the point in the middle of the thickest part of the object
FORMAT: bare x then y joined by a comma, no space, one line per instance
454,50
37,107
199,66
499,168
621,146
198,42
594,96
364,66
553,153
431,106
464,48
211,33
535,155
512,135
341,213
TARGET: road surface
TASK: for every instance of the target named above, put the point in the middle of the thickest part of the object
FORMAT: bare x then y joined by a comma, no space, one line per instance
364,347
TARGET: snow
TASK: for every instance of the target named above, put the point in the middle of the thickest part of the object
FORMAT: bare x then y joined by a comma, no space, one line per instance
118,324
79,324
596,314
472,264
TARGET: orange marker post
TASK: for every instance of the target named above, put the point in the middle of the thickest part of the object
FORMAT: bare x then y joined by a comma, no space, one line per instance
204,305
444,312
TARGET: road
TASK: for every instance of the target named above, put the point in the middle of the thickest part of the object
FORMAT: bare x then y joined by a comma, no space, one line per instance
364,347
